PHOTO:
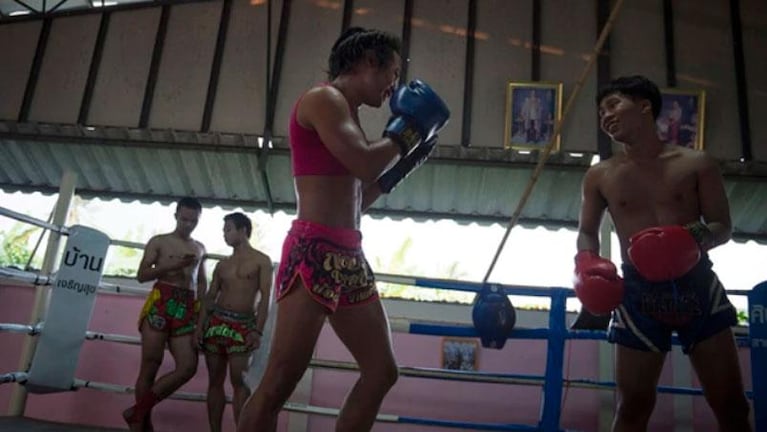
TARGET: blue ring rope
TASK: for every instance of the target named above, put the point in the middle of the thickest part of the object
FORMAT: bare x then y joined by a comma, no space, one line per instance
556,335
466,425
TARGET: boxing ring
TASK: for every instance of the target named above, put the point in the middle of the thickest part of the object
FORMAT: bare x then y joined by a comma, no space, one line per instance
555,334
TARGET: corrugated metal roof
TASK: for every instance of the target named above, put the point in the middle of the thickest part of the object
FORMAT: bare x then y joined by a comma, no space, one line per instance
467,185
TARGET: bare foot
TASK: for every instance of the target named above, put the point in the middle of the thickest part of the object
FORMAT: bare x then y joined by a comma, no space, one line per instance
134,425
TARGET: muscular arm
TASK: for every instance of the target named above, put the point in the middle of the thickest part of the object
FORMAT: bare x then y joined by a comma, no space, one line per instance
202,277
593,207
146,269
326,110
265,287
714,205
209,298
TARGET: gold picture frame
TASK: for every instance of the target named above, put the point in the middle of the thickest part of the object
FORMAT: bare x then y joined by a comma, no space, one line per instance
682,117
532,110
460,354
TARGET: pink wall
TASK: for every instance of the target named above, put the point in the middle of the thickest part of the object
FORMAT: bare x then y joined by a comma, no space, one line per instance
107,362
703,417
475,402
452,400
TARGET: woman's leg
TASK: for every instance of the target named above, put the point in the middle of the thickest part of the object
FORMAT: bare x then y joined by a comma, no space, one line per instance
299,321
365,332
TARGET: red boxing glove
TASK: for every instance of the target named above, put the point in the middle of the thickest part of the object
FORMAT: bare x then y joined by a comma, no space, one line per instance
597,284
663,253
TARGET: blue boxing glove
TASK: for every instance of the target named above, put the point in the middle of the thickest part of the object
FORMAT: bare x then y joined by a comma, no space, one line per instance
494,316
407,164
417,114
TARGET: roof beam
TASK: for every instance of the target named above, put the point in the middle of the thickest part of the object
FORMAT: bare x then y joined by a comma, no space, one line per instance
26,6
53,9
93,7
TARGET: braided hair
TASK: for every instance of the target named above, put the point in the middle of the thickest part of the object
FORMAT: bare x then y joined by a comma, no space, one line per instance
354,44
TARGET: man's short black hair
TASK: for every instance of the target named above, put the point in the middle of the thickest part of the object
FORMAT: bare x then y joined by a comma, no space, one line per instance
636,87
190,203
240,221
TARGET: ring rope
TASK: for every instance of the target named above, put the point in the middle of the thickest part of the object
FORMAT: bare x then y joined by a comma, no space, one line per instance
20,328
33,221
65,231
21,377
417,372
30,278
297,407
17,377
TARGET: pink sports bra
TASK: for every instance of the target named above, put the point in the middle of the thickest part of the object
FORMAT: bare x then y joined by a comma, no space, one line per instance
308,153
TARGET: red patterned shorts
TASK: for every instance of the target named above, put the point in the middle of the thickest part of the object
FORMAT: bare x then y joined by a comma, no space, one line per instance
226,332
171,309
330,263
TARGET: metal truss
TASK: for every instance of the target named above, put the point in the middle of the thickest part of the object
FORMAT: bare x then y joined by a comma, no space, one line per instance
38,9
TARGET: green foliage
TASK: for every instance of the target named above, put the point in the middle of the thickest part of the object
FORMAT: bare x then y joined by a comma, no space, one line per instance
15,249
742,317
399,264
122,261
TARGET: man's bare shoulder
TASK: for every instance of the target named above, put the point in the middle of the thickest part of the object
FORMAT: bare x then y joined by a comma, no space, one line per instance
199,245
160,239
695,158
694,154
223,262
262,258
606,165
259,258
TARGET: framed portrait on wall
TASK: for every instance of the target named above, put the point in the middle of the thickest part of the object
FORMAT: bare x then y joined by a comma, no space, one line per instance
459,354
532,109
682,117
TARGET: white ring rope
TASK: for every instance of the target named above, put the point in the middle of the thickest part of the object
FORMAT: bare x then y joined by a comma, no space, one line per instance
35,279
21,328
29,278
398,325
409,371
201,397
467,376
65,230
33,221
21,377
17,377
112,337
417,372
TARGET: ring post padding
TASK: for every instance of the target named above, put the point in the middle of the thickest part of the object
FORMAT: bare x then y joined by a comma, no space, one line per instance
555,354
757,321
71,305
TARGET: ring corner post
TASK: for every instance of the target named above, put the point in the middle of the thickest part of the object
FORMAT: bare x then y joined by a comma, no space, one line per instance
18,400
555,354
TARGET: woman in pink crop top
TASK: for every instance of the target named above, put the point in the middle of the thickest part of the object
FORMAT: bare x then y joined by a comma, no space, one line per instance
323,272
